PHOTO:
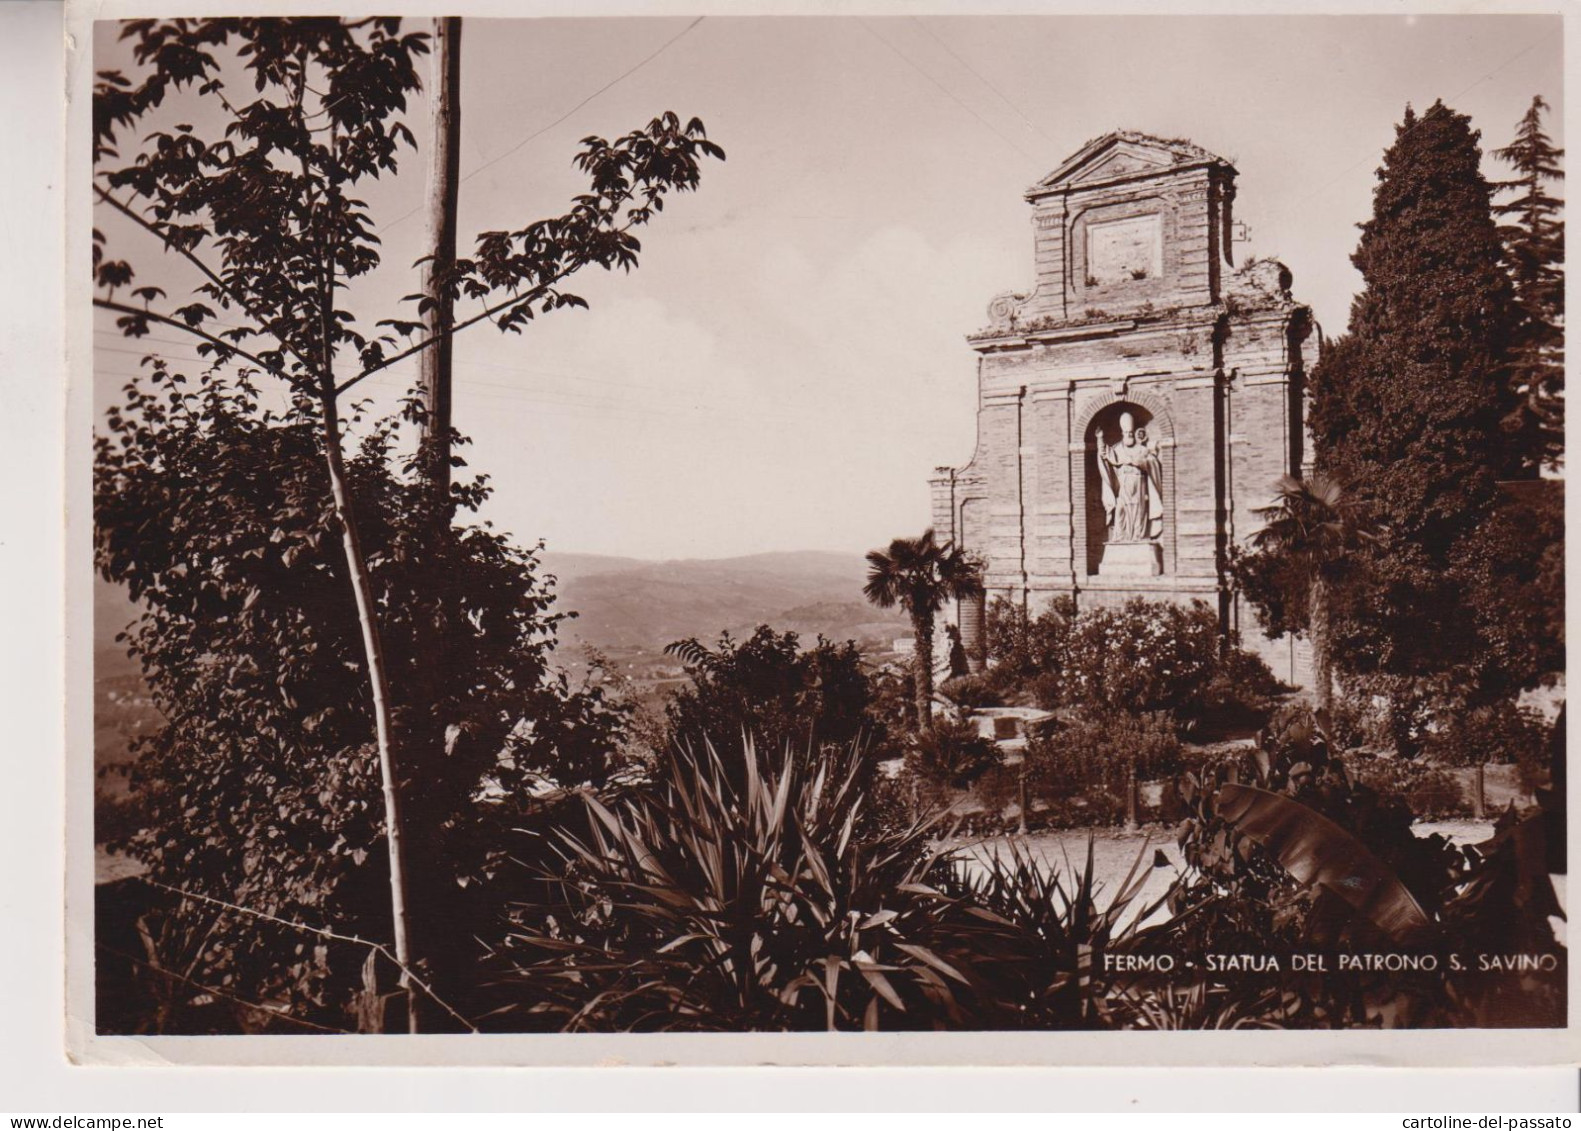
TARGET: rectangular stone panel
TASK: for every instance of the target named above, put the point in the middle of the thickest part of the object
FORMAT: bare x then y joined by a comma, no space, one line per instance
1119,251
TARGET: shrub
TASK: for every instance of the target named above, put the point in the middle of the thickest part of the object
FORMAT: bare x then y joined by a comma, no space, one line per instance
1143,656
1029,653
1092,755
1047,690
952,754
713,903
971,691
1139,657
1096,808
769,688
1431,792
998,789
1240,690
892,706
1358,719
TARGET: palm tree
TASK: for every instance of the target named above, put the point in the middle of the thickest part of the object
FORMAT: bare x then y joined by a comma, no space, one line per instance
1314,525
919,575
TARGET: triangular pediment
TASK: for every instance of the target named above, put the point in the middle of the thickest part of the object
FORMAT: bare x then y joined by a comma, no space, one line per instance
1123,153
1122,160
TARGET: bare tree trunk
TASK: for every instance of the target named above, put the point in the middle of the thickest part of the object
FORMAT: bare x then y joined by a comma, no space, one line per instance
379,686
922,669
444,177
1322,664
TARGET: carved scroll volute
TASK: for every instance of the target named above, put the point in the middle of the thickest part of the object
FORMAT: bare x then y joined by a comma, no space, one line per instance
1004,311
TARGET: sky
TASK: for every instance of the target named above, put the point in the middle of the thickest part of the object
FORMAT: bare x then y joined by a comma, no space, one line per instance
788,363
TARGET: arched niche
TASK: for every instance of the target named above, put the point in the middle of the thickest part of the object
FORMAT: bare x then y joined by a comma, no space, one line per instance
1143,552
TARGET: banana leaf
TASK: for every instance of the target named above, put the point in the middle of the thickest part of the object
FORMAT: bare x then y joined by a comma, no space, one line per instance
1316,851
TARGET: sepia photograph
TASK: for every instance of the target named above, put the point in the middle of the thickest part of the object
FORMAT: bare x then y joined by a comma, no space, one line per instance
858,526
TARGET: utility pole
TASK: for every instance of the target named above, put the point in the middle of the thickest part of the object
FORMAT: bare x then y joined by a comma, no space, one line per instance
434,363
444,177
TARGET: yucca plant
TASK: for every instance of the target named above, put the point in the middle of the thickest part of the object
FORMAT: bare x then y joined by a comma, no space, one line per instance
1197,1006
1037,934
704,904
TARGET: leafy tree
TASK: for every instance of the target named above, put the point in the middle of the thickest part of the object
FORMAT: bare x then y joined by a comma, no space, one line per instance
260,785
768,692
920,574
1308,535
1406,408
1512,575
259,205
1534,242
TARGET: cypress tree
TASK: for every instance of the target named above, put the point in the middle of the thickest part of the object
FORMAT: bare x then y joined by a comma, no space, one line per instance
1534,242
1406,407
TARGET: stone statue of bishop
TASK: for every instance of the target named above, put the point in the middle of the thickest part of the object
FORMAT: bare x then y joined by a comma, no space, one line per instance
1132,480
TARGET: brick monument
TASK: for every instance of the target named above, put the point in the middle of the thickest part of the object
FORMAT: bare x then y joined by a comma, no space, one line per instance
1138,405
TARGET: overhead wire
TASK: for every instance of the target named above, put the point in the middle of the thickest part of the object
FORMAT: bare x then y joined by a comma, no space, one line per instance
391,382
981,78
627,73
951,95
1371,155
480,387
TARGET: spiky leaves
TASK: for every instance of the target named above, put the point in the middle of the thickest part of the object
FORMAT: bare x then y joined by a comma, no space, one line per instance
717,902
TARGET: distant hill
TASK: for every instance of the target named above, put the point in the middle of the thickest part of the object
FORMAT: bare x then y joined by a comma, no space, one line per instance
627,607
624,603
628,603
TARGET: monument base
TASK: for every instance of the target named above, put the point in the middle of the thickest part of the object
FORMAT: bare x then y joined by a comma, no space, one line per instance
1131,559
